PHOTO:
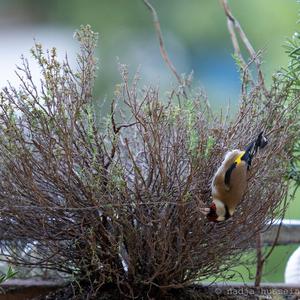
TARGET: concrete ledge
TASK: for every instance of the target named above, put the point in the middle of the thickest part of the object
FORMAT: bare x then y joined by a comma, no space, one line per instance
23,289
289,233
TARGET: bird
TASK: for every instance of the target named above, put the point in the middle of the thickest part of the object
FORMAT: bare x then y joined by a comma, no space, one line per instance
229,183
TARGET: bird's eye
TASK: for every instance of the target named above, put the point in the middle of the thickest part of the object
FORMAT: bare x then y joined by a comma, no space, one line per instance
213,207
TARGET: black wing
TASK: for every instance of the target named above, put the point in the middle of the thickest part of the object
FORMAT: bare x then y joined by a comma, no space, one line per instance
228,174
250,151
247,157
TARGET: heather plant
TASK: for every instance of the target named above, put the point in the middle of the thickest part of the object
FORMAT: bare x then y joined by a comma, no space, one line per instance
116,202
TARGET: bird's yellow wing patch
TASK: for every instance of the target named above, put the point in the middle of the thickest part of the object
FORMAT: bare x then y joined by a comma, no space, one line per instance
239,158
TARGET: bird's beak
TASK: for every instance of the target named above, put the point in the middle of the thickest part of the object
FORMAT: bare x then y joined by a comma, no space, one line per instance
204,210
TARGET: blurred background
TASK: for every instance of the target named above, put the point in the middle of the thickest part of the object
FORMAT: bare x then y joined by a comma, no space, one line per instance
196,38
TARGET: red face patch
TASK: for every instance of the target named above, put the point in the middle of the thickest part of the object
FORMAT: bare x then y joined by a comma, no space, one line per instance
212,215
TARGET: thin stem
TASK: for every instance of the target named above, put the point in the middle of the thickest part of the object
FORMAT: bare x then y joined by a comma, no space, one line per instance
259,261
235,27
162,48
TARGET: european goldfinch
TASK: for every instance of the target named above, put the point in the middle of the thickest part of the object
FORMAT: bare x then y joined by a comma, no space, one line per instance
230,181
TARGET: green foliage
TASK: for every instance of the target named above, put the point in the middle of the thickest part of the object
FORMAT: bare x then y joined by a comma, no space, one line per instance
290,77
188,110
294,172
292,73
191,118
117,179
9,274
209,145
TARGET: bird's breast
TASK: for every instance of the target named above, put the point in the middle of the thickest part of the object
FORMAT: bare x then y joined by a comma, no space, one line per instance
238,183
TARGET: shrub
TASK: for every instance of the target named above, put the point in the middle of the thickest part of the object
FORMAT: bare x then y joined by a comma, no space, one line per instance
115,201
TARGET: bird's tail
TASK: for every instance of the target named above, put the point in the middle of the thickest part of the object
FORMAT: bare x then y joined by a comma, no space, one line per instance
260,142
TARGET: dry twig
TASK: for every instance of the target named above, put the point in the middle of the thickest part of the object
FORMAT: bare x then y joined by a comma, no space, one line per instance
233,27
162,48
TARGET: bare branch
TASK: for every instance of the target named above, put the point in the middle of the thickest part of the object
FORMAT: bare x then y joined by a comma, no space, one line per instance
233,26
162,48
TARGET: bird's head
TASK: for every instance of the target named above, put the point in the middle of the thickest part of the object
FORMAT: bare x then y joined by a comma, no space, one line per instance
212,215
217,212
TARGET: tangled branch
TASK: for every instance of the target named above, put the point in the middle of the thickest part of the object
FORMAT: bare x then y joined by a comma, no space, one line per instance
117,202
